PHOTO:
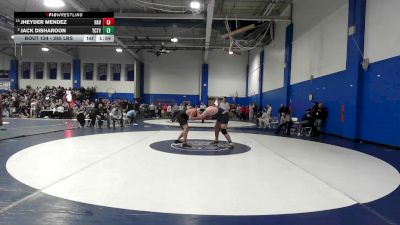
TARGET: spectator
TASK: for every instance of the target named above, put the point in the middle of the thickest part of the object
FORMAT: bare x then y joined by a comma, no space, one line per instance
81,117
320,115
103,115
116,114
152,109
202,109
286,121
255,111
131,115
251,111
93,113
265,118
263,121
33,109
306,121
169,111
59,113
1,113
225,105
282,109
164,110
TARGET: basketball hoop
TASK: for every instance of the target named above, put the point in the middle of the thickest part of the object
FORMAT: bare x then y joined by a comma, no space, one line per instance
110,92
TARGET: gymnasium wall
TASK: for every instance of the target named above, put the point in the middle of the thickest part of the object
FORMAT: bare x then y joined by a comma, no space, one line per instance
319,60
124,88
227,74
274,59
4,62
172,76
254,72
319,49
380,108
274,68
34,54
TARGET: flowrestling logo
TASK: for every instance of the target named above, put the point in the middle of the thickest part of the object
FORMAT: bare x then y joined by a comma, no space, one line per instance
200,147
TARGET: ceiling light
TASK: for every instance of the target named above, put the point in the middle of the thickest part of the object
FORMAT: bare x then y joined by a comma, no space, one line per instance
118,49
12,36
195,5
174,39
45,49
54,3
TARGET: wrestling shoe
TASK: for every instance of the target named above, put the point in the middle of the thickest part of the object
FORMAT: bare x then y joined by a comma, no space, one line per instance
215,142
186,146
178,141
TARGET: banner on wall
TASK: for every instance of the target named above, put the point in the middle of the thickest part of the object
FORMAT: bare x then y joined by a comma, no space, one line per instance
342,113
4,74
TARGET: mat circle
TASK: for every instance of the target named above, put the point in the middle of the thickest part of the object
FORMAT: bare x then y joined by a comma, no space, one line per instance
200,147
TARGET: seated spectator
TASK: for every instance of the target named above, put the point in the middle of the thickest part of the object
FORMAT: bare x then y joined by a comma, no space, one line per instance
103,115
92,113
116,114
81,117
282,109
286,121
169,111
24,112
59,113
307,121
265,118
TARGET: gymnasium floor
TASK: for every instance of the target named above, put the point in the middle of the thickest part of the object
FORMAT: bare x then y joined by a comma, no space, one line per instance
59,175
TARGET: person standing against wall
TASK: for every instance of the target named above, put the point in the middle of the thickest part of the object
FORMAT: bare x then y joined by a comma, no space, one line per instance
1,113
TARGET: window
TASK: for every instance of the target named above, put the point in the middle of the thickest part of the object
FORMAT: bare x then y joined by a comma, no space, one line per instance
38,68
130,72
116,72
88,69
26,70
52,70
66,71
102,71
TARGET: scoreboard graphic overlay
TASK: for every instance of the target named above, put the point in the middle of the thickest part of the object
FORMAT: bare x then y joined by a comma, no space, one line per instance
65,27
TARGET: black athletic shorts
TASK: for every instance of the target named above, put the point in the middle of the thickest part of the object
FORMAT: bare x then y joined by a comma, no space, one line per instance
222,116
182,118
